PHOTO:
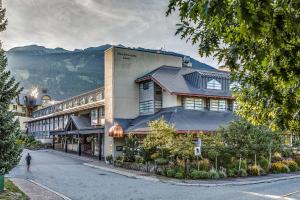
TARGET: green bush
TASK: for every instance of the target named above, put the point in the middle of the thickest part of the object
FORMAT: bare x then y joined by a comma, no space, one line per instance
161,161
204,165
293,166
139,159
296,157
255,170
195,174
119,160
213,174
264,163
279,167
235,164
242,173
171,172
232,172
179,175
222,174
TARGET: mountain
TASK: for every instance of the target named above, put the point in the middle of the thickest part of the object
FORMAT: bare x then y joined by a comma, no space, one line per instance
64,73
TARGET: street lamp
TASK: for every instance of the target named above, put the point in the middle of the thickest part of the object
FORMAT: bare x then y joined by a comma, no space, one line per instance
31,100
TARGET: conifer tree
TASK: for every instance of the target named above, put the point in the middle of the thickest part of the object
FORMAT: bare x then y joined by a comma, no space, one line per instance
9,126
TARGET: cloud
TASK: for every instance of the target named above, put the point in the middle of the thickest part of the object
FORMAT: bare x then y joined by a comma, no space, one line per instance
79,24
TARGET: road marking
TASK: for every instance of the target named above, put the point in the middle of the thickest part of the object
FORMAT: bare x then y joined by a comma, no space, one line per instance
268,196
45,187
291,193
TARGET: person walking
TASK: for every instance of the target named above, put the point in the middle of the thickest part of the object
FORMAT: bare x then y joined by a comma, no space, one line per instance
28,161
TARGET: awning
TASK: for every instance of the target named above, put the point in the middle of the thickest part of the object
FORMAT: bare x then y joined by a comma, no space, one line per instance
79,125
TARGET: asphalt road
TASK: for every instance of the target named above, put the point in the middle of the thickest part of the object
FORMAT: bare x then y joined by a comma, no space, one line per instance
71,178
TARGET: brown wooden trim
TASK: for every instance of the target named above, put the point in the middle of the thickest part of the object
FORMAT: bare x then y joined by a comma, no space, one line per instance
203,95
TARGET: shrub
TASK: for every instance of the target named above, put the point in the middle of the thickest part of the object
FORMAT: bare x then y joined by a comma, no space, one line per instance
195,174
119,160
204,165
139,159
203,174
161,161
213,174
293,166
297,158
179,175
109,159
235,164
232,172
264,163
277,157
242,173
255,170
171,172
279,167
222,174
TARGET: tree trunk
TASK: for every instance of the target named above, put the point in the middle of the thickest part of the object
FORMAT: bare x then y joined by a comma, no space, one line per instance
255,160
240,163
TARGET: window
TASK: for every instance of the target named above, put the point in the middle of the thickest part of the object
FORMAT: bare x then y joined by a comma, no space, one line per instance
217,105
66,119
213,84
146,107
101,112
193,103
146,86
56,123
94,117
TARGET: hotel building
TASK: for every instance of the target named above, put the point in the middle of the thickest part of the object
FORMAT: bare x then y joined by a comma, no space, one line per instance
139,86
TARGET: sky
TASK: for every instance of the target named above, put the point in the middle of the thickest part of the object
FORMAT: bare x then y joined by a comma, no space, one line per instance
78,24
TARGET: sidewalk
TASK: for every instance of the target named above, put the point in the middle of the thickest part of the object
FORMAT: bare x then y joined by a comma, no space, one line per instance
35,191
94,163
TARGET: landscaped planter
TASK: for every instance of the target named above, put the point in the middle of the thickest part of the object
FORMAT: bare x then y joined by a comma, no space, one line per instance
1,183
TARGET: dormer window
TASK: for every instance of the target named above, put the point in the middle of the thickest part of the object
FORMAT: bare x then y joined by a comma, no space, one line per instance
146,86
213,84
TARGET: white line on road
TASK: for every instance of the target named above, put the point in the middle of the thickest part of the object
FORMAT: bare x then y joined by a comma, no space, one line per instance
46,188
268,196
291,193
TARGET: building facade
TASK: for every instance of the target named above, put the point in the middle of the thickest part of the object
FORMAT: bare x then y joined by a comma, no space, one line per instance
139,86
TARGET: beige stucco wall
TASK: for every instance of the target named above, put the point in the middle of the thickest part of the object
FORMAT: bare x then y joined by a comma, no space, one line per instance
108,95
169,100
122,67
129,65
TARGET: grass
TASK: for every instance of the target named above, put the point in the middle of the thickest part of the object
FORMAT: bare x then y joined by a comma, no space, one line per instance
12,192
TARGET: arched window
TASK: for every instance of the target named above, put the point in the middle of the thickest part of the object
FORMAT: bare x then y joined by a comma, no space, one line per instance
213,84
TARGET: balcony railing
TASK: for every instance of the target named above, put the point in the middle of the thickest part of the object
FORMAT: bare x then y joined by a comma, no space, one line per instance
73,102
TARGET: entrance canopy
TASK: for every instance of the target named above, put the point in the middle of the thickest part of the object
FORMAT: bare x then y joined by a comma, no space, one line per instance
79,125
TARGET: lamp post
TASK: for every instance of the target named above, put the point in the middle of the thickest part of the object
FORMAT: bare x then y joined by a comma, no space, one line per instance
30,100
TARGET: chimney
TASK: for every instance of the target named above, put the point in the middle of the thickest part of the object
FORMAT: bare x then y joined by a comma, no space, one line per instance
186,61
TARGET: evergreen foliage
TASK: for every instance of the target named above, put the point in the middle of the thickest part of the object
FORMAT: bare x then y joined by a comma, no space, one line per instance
9,127
260,42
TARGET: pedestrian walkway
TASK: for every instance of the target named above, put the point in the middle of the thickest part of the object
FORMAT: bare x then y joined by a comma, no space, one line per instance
34,190
185,182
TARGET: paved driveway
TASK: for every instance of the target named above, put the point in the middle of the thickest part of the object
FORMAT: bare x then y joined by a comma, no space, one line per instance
70,177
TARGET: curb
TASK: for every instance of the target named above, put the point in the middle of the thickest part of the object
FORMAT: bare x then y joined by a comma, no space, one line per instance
46,188
127,174
131,175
